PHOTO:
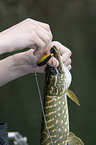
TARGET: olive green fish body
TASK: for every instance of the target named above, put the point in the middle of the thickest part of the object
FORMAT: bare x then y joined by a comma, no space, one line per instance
55,104
56,112
57,82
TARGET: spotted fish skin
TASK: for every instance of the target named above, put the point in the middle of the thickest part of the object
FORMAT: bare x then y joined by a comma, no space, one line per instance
56,113
57,81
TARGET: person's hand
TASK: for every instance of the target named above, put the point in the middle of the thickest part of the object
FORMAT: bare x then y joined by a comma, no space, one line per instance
28,33
28,60
32,34
24,63
65,54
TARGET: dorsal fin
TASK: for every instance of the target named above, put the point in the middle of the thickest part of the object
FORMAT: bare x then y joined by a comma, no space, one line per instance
72,96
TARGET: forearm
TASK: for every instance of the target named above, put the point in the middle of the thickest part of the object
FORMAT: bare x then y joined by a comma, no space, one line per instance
7,71
28,33
3,43
15,66
8,41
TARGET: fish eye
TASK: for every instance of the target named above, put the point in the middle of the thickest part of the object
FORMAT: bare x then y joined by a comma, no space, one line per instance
53,71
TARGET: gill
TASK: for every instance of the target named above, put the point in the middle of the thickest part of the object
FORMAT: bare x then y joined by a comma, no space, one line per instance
42,61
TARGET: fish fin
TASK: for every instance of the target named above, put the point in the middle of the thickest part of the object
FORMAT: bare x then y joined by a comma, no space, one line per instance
74,140
72,96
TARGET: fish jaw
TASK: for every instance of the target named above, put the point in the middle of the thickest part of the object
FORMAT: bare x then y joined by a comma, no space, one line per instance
57,82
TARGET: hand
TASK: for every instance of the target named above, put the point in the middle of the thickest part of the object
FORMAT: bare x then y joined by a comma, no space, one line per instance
24,63
65,54
32,34
29,60
28,33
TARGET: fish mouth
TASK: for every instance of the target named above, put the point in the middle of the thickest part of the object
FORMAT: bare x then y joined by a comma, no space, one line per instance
55,52
57,55
53,71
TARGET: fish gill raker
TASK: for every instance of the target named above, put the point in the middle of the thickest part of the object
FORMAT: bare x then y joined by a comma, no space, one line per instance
57,82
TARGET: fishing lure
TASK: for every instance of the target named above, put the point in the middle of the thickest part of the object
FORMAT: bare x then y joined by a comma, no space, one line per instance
44,59
57,82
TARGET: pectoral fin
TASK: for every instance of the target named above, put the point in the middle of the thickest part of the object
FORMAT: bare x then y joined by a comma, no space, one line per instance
72,96
73,140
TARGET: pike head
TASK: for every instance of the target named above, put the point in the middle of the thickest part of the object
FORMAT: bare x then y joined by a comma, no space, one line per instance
58,79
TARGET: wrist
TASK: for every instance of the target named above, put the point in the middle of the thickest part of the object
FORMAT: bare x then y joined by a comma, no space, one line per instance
18,65
14,69
24,63
4,43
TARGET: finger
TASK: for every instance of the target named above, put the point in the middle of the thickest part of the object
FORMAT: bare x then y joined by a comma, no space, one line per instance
53,62
40,45
68,62
69,67
37,23
45,38
45,26
41,69
44,31
61,48
65,56
47,48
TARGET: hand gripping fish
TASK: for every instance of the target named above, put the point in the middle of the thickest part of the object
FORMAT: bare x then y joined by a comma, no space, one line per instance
57,82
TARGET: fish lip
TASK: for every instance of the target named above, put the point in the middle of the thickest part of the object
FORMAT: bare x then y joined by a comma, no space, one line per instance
57,55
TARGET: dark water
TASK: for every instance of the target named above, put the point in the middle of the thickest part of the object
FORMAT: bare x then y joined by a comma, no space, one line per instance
73,23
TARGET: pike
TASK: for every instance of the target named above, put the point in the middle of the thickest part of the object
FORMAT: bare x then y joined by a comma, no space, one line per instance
57,82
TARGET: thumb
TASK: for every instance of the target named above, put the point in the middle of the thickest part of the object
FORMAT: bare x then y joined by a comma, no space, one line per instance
53,62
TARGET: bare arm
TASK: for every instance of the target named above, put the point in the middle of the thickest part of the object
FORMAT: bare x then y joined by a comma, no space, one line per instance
35,35
17,65
28,33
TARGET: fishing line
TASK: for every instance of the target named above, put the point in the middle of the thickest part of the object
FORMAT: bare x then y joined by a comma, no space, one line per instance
42,107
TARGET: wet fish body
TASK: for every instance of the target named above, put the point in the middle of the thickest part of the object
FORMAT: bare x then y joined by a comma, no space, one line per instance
57,82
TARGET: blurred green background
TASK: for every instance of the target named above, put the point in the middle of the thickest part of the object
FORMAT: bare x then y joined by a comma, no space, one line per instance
73,23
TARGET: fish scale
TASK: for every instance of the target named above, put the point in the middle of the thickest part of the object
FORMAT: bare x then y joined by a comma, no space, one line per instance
57,82
56,114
